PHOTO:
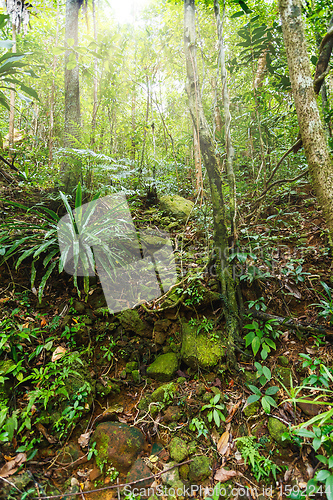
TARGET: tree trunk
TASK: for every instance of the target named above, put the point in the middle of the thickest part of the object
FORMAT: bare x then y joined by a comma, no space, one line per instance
54,65
95,106
12,97
70,177
311,128
197,163
227,118
145,128
230,306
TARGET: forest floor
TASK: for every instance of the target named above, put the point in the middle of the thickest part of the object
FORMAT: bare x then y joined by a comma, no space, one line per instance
283,257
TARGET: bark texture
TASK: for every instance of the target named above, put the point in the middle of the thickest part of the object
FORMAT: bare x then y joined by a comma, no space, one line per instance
230,306
227,118
311,128
70,178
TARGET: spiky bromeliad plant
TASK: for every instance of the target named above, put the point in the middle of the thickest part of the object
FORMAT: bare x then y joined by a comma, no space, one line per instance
20,240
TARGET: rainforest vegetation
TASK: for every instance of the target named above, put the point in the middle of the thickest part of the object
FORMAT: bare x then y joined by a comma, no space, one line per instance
166,232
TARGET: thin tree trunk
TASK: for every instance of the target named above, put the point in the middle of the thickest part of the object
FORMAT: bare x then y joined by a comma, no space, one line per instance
54,65
197,163
145,128
70,177
230,306
95,106
12,97
227,119
311,128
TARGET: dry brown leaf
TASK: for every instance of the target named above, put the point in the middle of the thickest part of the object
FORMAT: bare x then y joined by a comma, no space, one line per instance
43,322
224,475
58,353
223,443
84,439
233,411
11,467
47,436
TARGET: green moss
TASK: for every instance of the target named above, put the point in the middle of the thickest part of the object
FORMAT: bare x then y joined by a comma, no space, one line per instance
102,456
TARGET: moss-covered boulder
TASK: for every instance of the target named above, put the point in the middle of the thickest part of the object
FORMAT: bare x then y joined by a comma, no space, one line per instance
137,473
176,206
164,393
252,409
284,374
131,321
178,449
170,476
172,414
200,469
160,332
132,365
276,428
176,490
117,445
164,367
198,349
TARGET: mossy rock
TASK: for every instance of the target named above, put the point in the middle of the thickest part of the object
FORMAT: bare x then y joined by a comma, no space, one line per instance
132,365
170,476
178,449
252,409
276,428
200,469
283,361
131,321
117,445
144,403
284,374
164,393
198,350
176,206
176,490
138,472
164,367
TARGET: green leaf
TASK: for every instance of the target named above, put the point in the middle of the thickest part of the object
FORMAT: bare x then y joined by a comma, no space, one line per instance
322,459
304,433
322,475
272,390
78,197
252,398
271,401
265,404
44,280
70,42
255,345
71,65
29,91
58,50
237,14
316,443
270,343
329,487
255,390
